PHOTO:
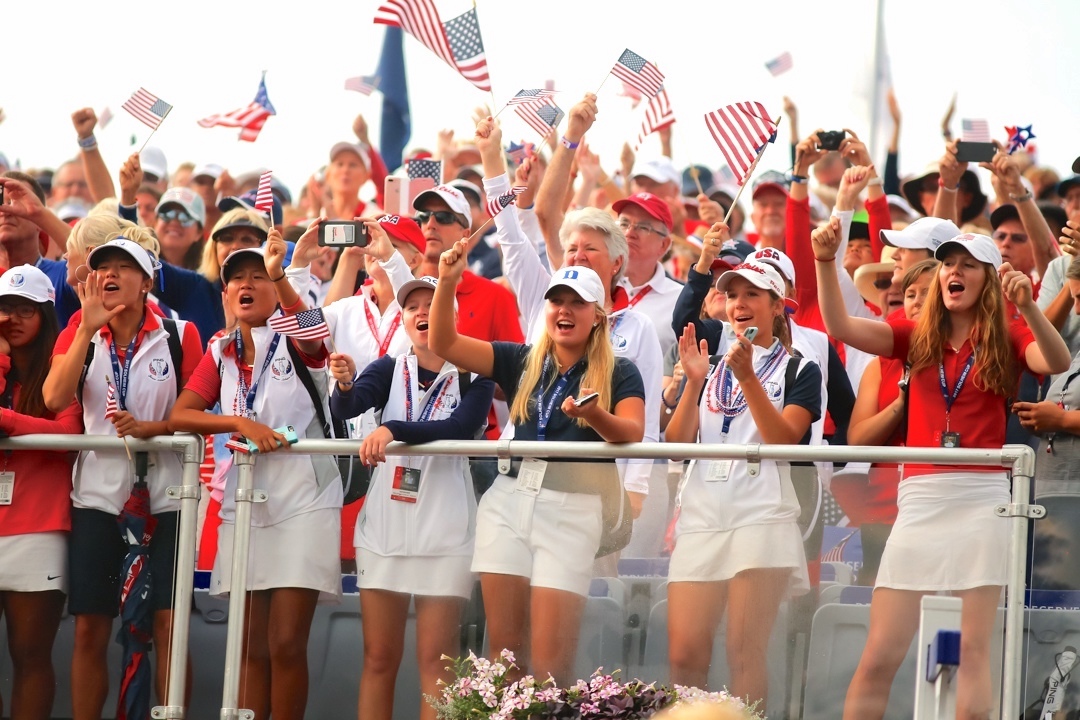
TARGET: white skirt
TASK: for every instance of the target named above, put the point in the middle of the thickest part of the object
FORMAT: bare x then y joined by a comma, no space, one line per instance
447,576
946,535
301,552
723,554
34,562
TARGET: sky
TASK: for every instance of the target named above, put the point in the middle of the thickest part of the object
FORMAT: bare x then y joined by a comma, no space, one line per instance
1008,63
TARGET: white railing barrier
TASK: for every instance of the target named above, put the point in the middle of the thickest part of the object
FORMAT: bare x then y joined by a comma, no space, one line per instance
1019,459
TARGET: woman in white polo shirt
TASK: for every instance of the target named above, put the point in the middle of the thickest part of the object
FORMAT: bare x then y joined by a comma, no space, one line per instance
738,547
538,533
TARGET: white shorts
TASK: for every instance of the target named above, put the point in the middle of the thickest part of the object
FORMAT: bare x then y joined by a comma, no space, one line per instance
550,538
721,555
946,535
436,576
34,562
301,552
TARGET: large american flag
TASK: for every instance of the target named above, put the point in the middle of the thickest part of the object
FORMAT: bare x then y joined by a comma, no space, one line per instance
640,73
249,119
741,130
364,84
524,96
497,205
541,116
975,131
457,42
264,196
658,115
779,64
424,169
306,325
147,108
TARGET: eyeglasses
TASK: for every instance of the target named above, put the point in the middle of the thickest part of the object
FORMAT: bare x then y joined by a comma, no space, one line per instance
883,283
1017,238
443,217
23,311
626,226
179,216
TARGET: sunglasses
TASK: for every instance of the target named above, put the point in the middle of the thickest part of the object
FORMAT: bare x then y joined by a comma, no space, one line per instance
443,217
883,283
20,311
179,216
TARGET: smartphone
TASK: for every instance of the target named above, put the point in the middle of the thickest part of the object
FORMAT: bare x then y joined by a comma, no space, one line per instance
750,333
830,139
400,192
586,399
288,431
342,234
975,151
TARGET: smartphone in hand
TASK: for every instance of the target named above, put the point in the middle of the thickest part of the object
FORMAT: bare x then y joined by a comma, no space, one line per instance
975,151
586,399
750,333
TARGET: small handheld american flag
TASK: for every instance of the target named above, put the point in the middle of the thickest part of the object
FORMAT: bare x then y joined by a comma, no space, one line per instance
264,196
524,96
975,131
658,115
542,115
111,405
364,84
741,131
416,169
779,64
637,71
306,325
148,109
497,205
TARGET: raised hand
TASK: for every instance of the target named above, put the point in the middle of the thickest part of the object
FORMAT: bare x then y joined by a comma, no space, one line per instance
854,149
852,184
825,240
693,356
807,153
94,314
342,368
1006,172
307,247
951,169
360,129
581,118
84,120
131,177
275,254
1016,286
20,200
452,262
709,211
714,239
379,245
1070,237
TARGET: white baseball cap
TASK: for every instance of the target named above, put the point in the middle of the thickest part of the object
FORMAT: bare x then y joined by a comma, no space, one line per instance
759,274
926,233
778,259
981,247
143,257
230,263
426,282
660,170
357,149
189,200
26,281
212,170
453,198
152,160
582,280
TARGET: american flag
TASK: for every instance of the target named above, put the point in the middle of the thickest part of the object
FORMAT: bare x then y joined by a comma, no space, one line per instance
524,96
518,153
633,93
249,119
541,116
264,196
638,72
779,64
975,131
836,554
658,115
148,109
306,325
364,84
111,406
424,169
105,118
741,130
497,205
457,42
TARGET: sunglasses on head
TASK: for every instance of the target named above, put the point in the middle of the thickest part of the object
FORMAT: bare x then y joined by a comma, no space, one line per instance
443,217
179,216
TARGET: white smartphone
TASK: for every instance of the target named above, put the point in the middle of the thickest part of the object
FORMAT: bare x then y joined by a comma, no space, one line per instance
586,399
750,333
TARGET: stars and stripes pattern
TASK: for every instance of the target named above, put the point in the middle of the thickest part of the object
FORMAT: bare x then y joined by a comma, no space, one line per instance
741,131
363,84
779,64
635,70
525,96
111,405
456,42
147,108
497,205
836,554
416,169
975,131
306,325
658,115
541,116
264,196
517,153
633,93
249,119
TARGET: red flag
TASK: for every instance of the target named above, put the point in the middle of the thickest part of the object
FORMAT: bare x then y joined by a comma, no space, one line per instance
264,196
658,115
741,130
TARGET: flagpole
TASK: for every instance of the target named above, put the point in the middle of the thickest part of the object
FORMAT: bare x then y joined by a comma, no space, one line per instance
749,172
477,232
108,381
148,139
697,178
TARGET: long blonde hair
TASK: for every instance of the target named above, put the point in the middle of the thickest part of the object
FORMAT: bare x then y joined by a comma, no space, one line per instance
600,365
995,362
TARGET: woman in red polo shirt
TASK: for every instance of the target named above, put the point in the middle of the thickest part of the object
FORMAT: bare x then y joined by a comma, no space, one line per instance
965,359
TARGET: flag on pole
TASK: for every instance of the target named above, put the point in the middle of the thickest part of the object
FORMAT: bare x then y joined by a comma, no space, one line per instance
633,93
517,153
497,205
741,131
148,109
306,325
658,115
416,169
836,554
396,126
779,64
250,119
363,84
524,96
541,116
975,131
640,73
457,42
264,196
111,406
105,118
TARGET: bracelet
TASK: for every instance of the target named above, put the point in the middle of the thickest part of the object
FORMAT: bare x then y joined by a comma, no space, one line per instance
663,399
87,143
569,145
825,260
280,278
876,180
941,184
1023,197
800,179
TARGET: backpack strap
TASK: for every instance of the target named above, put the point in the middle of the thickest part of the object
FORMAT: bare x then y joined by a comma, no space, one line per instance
304,374
85,369
176,350
792,371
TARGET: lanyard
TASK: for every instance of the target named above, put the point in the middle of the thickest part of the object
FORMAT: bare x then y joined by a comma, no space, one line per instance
242,390
435,399
384,344
730,401
950,399
641,295
122,373
543,411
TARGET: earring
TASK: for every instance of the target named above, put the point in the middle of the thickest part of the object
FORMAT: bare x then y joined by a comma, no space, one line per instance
595,324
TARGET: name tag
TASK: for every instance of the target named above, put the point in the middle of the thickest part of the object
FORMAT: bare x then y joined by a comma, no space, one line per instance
718,470
406,484
531,476
7,487
950,439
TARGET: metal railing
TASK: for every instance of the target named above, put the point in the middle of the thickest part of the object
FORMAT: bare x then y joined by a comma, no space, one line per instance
1019,459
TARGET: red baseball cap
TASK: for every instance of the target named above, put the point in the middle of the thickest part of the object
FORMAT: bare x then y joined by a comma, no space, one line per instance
404,229
655,206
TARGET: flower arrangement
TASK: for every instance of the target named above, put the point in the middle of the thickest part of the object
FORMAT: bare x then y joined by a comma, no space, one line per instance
487,690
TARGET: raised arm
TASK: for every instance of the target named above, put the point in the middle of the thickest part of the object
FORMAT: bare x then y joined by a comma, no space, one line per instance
694,358
1044,247
951,171
288,297
466,352
97,174
1049,354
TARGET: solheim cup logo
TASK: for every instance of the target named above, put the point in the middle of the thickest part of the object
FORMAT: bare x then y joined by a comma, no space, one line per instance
17,280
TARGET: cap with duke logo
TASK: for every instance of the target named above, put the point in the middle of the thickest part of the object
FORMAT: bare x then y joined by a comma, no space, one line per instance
582,280
26,281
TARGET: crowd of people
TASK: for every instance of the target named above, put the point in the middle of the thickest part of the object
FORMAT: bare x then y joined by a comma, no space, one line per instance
844,307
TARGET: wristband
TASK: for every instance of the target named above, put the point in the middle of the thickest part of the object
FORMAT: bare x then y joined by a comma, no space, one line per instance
826,260
877,180
800,179
279,279
87,143
941,185
1023,197
569,145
